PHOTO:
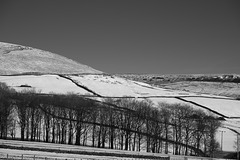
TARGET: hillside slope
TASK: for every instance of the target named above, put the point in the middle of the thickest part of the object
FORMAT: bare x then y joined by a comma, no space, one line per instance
99,86
216,84
17,59
59,75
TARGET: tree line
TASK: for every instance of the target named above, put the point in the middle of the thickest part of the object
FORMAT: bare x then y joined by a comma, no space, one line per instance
123,123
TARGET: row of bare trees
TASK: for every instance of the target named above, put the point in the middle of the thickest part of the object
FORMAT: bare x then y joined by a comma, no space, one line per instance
125,124
6,105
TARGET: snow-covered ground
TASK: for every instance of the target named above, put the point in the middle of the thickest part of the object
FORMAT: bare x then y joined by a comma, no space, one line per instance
103,85
227,107
26,154
112,86
229,89
43,84
68,148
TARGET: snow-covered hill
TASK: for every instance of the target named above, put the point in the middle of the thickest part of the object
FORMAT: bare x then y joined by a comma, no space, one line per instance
216,84
17,59
103,86
59,75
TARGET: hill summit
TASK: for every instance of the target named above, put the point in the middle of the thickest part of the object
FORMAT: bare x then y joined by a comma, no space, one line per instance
18,59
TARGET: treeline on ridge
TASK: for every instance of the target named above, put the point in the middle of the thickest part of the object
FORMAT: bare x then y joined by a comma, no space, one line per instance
125,124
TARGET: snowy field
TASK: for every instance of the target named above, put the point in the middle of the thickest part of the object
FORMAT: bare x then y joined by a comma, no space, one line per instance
217,88
38,155
112,86
229,108
42,84
19,154
104,85
93,152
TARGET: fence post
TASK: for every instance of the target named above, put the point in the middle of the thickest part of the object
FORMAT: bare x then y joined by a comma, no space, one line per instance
34,157
7,156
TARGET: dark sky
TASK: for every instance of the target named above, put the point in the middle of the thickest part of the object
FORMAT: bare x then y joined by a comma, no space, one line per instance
130,36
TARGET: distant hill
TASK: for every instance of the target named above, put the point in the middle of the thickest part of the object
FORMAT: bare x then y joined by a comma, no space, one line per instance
18,59
216,84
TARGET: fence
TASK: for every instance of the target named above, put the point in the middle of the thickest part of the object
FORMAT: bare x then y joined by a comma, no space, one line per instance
178,157
26,157
93,153
37,157
51,151
6,156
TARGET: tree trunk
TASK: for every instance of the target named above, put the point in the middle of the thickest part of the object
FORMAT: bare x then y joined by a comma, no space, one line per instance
93,135
126,140
53,133
78,134
70,136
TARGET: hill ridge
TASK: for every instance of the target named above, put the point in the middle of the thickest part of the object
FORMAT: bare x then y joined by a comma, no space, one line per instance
18,59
